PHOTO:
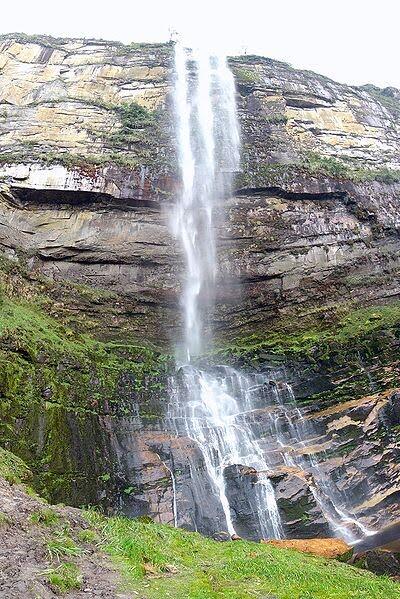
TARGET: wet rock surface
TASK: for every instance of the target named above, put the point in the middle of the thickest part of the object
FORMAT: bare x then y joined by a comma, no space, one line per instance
384,563
240,481
301,514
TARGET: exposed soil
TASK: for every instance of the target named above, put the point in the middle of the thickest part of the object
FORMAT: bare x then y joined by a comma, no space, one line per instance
329,548
25,558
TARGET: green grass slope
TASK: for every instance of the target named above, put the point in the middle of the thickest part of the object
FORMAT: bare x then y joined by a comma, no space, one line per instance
159,562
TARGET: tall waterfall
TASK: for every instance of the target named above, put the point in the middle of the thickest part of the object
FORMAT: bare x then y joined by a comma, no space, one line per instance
208,148
216,408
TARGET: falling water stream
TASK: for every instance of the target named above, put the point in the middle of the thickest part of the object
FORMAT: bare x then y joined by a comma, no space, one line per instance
214,407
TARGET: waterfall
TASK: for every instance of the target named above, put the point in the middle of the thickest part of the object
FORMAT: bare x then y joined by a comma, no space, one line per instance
208,153
208,150
216,408
210,409
326,495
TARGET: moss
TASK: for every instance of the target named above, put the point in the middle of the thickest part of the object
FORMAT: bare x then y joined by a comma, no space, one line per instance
12,468
353,325
295,510
56,380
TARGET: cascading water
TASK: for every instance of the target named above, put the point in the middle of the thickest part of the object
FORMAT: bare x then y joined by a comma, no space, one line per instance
301,432
208,142
206,409
215,408
208,149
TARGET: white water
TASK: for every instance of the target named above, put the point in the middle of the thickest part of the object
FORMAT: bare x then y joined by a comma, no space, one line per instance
211,415
208,152
208,143
215,408
300,433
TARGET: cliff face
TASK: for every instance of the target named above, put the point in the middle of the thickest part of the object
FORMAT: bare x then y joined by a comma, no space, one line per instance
89,175
88,179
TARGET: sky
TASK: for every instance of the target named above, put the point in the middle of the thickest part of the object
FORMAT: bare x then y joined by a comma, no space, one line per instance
351,41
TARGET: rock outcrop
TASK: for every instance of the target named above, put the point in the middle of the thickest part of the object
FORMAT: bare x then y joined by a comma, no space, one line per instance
308,246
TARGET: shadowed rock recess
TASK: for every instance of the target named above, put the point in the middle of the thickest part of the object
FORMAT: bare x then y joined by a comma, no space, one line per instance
307,295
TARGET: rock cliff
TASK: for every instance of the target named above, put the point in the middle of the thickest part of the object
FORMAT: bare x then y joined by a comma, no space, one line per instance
309,263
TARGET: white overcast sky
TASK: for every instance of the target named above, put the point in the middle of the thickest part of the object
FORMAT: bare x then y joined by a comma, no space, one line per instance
351,41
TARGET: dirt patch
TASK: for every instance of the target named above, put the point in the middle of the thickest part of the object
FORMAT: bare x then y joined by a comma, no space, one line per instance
49,551
330,548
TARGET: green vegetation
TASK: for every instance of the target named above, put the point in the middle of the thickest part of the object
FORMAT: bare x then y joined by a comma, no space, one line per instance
389,102
315,164
12,468
65,577
134,120
352,325
45,517
88,536
4,519
160,561
246,76
79,161
134,116
54,372
62,545
276,119
47,371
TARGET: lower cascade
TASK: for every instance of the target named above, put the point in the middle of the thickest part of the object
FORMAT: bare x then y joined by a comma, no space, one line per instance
250,431
246,427
212,410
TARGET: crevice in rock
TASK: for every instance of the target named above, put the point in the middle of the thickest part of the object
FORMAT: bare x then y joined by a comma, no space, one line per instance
80,198
290,195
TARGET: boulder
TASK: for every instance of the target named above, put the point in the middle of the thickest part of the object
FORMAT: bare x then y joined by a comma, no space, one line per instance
378,561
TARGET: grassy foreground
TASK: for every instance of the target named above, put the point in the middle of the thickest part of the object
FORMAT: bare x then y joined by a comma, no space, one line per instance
159,561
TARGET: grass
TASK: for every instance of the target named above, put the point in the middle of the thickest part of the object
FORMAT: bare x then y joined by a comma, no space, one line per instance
64,578
87,162
45,517
160,562
4,519
312,163
88,536
28,333
316,163
62,545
